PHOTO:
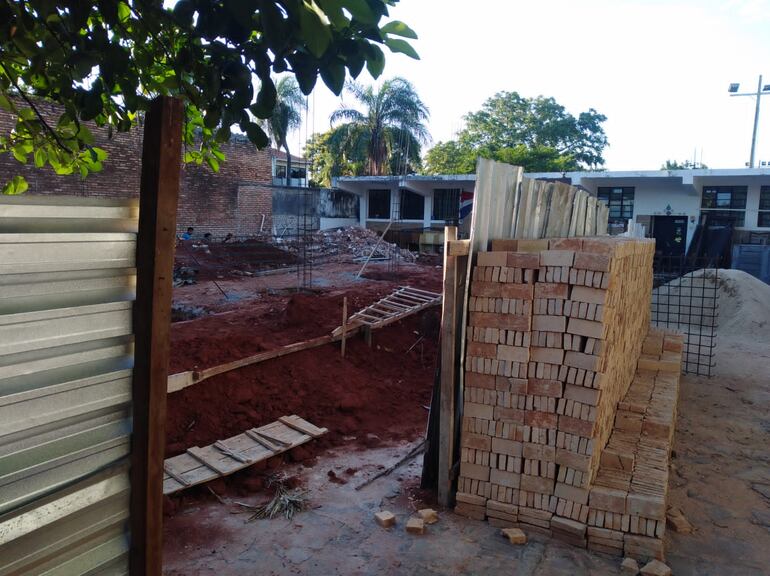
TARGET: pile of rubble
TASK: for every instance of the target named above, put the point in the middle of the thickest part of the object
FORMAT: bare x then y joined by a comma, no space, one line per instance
357,242
184,275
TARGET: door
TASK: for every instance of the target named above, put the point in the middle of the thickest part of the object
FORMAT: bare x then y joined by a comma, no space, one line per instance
670,233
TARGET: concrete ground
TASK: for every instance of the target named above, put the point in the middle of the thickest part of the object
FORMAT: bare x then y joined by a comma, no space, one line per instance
720,478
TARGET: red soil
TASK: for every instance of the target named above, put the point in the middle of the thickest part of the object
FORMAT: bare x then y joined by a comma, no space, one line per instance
372,394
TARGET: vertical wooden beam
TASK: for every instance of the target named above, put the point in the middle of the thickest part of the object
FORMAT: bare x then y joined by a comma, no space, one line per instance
344,324
449,371
159,192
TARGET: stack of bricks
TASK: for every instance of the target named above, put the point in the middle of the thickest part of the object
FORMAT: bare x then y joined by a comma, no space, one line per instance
554,334
627,503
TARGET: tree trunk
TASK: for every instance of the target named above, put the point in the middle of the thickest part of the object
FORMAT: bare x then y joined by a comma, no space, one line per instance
288,165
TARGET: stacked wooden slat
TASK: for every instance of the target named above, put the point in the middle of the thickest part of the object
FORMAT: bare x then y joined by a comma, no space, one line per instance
555,329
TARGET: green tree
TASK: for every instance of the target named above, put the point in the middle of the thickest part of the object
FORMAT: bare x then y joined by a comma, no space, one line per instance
508,120
686,165
327,158
286,116
535,133
391,129
455,157
105,61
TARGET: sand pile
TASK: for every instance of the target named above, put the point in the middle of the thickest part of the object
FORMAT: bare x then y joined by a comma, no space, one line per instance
743,302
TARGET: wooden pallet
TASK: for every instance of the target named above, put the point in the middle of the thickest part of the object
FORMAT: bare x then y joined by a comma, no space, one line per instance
401,303
222,458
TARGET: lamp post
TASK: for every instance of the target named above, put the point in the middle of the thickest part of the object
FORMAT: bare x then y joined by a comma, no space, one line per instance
761,91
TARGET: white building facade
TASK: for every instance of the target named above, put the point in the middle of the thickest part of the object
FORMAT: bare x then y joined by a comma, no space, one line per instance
669,203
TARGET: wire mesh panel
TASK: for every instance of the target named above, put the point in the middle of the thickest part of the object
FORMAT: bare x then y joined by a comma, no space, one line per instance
685,298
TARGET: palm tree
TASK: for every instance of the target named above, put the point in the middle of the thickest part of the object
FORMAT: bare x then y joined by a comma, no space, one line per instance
287,116
390,130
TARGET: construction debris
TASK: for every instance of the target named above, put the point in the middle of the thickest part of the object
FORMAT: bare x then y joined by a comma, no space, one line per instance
184,275
676,520
357,242
415,525
286,502
514,535
629,567
556,330
428,515
656,568
385,518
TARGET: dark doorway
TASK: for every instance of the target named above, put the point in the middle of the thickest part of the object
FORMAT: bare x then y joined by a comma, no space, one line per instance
670,233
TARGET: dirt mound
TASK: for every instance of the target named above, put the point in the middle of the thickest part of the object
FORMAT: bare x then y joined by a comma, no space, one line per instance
225,259
372,394
743,302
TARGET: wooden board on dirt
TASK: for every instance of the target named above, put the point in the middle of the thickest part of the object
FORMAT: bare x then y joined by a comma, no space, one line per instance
200,465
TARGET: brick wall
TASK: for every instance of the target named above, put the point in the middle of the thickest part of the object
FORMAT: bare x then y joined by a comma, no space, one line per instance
217,203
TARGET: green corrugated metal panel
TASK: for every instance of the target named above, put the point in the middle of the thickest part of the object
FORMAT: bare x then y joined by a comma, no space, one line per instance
67,283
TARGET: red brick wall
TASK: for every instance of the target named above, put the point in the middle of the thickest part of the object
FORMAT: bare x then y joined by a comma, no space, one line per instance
207,201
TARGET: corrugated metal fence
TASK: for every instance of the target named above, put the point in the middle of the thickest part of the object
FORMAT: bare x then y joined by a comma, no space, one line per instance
67,283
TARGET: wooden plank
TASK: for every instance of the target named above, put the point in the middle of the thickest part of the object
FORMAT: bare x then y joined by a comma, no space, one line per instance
158,198
198,454
199,465
261,357
427,293
448,373
303,426
259,439
225,449
171,470
344,325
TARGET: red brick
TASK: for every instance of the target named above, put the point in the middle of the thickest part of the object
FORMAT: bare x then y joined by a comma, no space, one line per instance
546,290
521,260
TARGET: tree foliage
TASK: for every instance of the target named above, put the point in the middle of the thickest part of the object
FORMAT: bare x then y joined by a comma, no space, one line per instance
388,133
105,61
535,133
328,159
686,165
286,116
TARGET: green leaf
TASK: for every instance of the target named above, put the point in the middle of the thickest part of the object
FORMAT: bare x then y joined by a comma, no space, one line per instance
124,12
101,155
314,32
375,62
18,154
17,185
402,46
398,28
256,135
213,163
40,157
333,10
333,75
5,104
263,107
360,11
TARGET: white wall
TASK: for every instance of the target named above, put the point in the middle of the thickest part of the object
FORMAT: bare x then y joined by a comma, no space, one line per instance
326,223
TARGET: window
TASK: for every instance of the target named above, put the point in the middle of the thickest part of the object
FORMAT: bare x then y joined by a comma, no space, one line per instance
620,201
412,205
764,207
446,204
379,204
725,203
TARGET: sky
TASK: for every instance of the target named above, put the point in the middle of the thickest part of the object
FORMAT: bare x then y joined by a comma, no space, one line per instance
658,69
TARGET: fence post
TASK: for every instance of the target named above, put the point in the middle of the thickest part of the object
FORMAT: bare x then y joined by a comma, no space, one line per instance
159,193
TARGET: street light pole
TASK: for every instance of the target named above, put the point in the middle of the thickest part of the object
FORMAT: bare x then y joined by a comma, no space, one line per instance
756,121
761,91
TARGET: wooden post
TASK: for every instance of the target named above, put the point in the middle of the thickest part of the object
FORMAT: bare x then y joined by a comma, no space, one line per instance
159,192
449,370
344,323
